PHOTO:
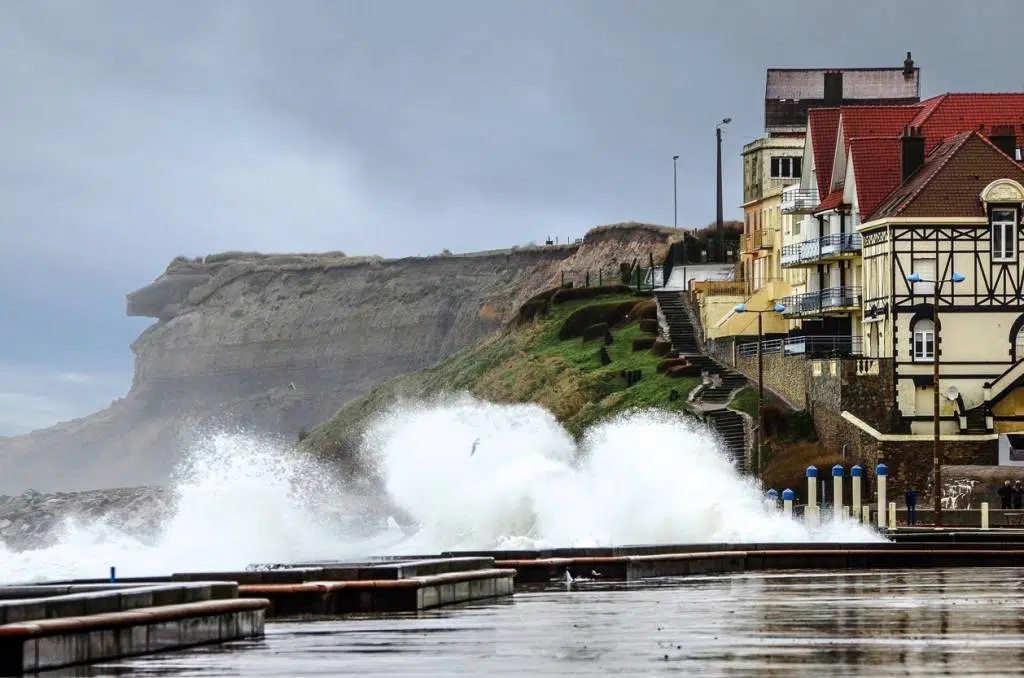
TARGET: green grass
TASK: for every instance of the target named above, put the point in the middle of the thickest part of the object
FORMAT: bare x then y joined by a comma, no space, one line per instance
527,364
745,401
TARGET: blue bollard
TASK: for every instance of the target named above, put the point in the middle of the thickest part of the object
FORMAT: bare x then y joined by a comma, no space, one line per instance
787,502
113,574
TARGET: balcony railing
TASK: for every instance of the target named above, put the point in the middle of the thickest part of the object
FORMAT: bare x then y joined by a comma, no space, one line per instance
810,346
761,239
832,246
796,200
830,300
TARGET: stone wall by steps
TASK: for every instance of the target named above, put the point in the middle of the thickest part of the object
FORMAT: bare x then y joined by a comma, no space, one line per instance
272,344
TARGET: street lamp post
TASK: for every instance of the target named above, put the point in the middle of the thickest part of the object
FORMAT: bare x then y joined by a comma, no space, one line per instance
675,193
936,440
742,308
718,219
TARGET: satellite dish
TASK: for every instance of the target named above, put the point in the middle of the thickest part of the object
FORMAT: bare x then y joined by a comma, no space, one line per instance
951,393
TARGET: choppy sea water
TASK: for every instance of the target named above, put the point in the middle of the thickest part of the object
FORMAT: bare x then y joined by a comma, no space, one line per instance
955,622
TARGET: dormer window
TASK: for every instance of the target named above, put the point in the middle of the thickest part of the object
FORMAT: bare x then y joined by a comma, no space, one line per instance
1003,221
1003,199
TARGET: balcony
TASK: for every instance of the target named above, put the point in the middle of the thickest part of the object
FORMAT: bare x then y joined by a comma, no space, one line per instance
799,201
830,247
811,346
830,300
761,239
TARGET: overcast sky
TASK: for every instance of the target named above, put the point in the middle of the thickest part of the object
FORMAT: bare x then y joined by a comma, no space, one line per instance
137,131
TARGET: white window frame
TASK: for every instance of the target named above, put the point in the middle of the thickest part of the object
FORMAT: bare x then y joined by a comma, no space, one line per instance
1003,246
923,346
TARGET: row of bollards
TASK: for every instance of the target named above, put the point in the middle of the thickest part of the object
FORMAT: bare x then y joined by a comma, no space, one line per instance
857,511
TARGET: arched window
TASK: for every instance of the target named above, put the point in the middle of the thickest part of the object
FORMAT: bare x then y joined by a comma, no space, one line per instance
924,340
1018,345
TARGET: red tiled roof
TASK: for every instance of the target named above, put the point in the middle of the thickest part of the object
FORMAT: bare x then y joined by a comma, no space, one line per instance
824,123
831,201
951,180
944,116
874,121
876,169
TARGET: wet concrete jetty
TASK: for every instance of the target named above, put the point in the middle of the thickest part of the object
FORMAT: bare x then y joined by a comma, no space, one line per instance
66,623
44,627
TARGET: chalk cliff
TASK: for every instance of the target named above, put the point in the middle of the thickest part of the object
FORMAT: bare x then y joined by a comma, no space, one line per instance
273,344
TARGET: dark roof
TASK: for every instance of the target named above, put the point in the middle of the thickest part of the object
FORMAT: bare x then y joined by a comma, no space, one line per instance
951,179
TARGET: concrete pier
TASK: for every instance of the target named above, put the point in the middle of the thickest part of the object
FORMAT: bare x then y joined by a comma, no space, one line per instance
381,585
49,627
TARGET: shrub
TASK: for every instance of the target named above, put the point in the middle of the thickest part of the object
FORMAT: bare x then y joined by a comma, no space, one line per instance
578,293
643,343
661,346
595,331
645,310
611,313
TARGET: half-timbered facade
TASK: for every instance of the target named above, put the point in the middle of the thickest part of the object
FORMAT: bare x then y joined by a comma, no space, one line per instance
958,210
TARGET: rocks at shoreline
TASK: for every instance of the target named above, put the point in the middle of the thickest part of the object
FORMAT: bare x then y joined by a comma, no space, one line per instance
33,520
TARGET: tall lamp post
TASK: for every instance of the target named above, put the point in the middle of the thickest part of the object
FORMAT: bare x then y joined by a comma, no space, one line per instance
675,193
742,308
718,219
936,441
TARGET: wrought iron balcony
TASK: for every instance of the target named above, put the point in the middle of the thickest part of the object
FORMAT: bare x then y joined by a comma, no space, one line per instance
817,250
830,300
799,201
808,345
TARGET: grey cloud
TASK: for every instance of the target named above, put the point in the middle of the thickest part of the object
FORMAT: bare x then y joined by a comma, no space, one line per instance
135,131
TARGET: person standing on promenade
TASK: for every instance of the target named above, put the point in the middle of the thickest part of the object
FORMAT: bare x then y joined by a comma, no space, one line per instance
1005,495
911,498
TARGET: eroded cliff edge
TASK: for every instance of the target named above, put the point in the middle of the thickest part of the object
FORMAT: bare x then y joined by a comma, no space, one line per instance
272,344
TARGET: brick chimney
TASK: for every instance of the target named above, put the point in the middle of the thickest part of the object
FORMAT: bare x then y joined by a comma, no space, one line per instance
912,155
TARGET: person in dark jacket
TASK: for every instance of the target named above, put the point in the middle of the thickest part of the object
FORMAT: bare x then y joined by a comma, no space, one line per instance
1005,495
1018,494
911,498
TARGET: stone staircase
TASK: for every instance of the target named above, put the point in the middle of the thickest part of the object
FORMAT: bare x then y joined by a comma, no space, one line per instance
724,382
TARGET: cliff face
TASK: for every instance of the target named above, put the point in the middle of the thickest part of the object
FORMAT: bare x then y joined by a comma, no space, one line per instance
274,344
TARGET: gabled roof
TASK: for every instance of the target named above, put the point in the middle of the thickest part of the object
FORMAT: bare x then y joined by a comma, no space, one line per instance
876,169
831,201
944,116
862,121
951,179
874,121
823,123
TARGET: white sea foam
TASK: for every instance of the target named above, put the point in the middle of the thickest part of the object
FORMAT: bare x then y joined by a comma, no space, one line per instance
472,475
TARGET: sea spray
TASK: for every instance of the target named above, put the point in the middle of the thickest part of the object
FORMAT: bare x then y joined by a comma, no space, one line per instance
475,475
469,475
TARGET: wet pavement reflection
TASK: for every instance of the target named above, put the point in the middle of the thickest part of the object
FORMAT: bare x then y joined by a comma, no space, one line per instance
964,622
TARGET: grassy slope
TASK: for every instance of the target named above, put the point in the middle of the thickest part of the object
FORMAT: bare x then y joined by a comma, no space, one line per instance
528,364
